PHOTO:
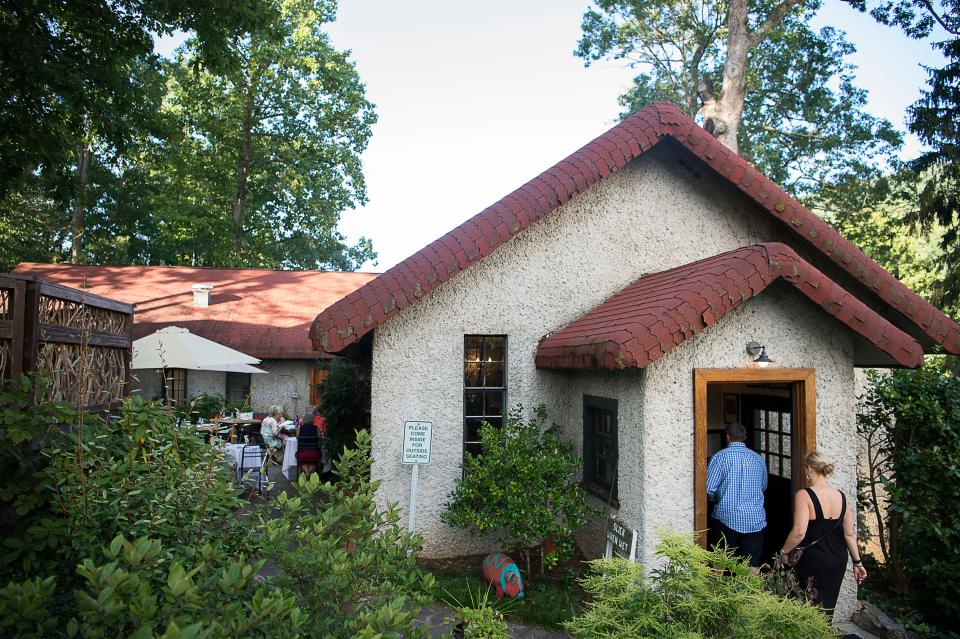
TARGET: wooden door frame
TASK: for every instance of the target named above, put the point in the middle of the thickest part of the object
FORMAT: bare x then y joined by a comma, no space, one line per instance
804,435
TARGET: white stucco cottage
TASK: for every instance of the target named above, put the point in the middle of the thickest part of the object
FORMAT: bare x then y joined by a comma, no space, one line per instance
620,288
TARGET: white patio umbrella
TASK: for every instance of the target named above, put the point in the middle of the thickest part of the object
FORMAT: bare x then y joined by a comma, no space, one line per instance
175,347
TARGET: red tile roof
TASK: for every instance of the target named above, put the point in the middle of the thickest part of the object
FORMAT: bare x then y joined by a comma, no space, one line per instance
360,312
659,311
265,314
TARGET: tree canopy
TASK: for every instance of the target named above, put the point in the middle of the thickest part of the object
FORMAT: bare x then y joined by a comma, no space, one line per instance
935,119
267,155
67,66
244,150
803,118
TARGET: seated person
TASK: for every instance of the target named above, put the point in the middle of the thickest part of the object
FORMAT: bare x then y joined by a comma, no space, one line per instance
271,427
309,453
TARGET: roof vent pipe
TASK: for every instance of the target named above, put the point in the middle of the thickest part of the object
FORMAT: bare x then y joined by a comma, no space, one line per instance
201,295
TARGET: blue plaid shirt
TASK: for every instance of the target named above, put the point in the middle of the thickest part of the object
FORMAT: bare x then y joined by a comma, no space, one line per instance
736,480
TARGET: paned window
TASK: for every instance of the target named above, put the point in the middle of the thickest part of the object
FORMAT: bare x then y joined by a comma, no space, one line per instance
600,445
238,388
175,387
772,438
484,386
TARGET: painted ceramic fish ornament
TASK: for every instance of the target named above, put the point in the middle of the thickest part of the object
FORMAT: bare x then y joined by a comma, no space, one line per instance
502,573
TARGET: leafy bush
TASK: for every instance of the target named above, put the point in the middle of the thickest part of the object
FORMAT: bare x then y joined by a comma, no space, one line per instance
137,594
199,407
346,401
911,422
351,564
83,481
24,608
522,488
690,597
25,427
140,476
95,484
481,617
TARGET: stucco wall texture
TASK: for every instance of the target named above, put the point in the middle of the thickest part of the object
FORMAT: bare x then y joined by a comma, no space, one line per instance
651,216
286,384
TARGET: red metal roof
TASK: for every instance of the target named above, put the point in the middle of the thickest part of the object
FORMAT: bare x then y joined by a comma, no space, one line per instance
265,314
659,311
360,312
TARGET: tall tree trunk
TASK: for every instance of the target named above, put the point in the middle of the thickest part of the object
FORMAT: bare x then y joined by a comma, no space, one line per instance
80,202
243,176
721,115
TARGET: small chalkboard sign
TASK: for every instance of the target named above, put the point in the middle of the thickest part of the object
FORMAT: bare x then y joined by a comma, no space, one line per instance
621,540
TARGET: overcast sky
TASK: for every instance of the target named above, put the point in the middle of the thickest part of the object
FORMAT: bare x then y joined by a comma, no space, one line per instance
474,99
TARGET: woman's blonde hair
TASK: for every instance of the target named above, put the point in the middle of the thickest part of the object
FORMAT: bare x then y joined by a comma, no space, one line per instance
819,463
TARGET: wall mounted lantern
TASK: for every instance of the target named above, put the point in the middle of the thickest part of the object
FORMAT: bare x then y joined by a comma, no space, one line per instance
759,352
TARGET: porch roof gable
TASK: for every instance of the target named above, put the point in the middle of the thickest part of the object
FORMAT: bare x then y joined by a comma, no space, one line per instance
657,312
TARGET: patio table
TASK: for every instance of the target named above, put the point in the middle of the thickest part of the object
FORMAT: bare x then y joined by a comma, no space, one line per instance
289,466
235,452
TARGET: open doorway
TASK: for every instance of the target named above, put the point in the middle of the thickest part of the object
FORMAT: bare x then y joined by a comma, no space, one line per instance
777,407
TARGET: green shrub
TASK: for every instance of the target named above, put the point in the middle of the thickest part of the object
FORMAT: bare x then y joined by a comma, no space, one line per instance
200,407
351,565
26,427
911,419
697,594
83,481
481,616
522,488
347,562
25,608
138,593
140,476
345,403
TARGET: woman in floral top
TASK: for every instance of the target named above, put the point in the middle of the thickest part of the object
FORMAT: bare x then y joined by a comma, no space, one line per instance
271,426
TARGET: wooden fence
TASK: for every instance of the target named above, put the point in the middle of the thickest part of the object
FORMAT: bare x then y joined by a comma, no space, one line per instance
81,342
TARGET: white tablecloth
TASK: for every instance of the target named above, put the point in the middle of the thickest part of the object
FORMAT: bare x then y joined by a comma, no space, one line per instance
289,467
235,452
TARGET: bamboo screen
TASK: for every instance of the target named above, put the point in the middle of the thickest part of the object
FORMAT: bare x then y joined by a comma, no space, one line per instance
84,347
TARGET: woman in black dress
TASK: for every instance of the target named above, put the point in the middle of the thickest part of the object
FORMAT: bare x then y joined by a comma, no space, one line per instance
823,527
309,451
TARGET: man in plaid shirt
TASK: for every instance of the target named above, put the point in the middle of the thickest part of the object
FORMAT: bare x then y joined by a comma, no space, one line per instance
736,481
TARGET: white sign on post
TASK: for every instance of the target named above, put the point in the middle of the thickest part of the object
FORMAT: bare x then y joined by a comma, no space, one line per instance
416,442
417,439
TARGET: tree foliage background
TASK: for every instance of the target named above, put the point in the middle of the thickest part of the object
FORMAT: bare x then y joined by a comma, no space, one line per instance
244,150
909,421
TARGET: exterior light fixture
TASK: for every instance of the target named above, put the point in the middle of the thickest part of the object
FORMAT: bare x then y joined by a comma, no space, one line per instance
759,352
